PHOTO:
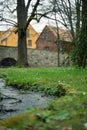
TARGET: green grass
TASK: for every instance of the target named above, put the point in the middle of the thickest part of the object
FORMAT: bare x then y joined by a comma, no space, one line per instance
63,111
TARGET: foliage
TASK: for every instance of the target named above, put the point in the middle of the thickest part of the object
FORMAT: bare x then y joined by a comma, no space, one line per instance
65,111
80,50
72,15
46,80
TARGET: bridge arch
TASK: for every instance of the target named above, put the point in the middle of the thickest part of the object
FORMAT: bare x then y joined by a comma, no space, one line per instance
8,62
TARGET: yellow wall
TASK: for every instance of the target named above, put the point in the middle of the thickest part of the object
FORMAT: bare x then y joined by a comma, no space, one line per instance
12,39
33,35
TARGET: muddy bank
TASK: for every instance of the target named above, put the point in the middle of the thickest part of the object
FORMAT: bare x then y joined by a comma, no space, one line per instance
15,102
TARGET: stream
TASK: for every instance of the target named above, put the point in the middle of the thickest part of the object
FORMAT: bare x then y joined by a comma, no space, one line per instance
15,102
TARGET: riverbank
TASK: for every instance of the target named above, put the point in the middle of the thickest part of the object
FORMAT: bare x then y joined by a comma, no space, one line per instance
15,101
69,109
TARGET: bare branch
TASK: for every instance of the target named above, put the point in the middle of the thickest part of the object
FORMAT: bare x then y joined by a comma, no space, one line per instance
11,11
8,21
48,17
33,13
28,4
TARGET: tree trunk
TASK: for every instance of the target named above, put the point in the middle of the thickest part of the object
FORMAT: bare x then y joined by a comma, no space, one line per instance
84,60
22,46
22,49
84,30
78,17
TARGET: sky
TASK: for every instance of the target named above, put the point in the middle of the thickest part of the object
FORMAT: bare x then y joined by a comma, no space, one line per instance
43,22
37,26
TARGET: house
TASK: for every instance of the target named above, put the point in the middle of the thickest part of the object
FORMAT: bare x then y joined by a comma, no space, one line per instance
10,38
48,39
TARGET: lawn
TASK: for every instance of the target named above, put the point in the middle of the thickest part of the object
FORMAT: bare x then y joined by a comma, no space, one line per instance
67,110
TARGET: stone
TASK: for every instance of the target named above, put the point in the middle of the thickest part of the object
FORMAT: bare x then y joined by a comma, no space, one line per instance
4,128
67,128
85,126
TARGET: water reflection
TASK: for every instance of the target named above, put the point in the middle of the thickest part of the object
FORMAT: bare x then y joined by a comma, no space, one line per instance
15,102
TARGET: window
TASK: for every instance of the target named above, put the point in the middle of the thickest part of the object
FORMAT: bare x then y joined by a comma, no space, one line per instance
46,35
29,43
27,33
46,48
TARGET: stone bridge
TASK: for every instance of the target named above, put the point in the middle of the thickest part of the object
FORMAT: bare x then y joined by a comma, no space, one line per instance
36,58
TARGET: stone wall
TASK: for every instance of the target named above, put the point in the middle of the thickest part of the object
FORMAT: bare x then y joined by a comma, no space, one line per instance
36,58
44,58
8,52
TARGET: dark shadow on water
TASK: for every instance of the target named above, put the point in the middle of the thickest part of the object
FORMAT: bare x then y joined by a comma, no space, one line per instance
15,102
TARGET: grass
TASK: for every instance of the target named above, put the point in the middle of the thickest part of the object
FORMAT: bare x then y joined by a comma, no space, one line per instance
69,110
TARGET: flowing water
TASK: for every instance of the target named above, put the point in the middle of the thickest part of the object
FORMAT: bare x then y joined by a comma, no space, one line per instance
15,102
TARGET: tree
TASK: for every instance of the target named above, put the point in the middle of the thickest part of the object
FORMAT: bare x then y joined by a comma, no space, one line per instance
84,30
23,22
22,26
81,48
57,27
68,14
72,14
26,12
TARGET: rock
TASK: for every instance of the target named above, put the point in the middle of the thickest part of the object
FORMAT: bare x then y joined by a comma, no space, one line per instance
67,128
85,125
4,128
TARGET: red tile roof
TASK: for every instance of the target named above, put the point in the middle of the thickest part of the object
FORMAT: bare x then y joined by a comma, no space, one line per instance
64,34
